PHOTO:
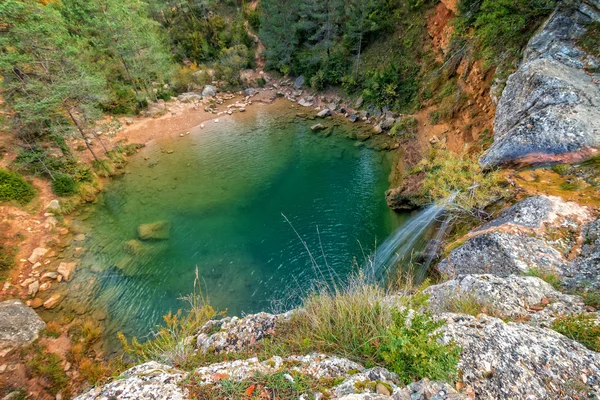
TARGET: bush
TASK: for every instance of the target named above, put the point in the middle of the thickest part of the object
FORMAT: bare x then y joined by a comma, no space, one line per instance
64,185
7,257
447,174
580,327
406,126
590,40
14,188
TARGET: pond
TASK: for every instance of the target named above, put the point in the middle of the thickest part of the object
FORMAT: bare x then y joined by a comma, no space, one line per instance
249,202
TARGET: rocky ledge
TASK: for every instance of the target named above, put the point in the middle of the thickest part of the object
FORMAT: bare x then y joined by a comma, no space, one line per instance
550,108
539,233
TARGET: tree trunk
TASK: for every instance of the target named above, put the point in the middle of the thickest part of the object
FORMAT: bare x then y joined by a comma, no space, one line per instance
82,135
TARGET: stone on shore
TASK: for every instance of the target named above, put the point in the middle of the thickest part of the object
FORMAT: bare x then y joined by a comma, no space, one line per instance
324,113
19,325
160,230
66,269
37,254
209,91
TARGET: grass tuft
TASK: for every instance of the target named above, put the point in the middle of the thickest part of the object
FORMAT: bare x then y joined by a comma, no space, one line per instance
582,328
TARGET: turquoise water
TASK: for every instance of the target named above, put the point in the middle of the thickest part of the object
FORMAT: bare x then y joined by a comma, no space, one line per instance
227,191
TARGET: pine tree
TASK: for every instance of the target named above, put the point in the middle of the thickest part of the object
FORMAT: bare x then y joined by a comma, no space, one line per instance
279,25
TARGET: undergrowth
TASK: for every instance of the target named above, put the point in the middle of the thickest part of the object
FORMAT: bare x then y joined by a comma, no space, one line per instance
14,188
579,327
548,276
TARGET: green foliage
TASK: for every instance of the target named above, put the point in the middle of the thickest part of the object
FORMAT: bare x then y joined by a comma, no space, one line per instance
502,27
590,40
411,348
14,188
405,127
231,62
391,87
447,173
48,366
7,257
463,303
580,327
64,185
275,386
561,169
548,276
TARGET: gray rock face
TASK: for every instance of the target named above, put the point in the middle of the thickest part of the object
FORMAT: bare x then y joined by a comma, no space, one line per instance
551,105
299,82
209,91
511,360
428,390
510,297
19,325
585,269
235,334
502,254
536,233
189,97
146,381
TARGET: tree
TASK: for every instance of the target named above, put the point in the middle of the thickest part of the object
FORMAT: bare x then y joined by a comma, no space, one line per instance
45,84
279,25
362,18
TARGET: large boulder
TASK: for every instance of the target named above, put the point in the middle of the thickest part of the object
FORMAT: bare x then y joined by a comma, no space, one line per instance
160,230
512,360
209,91
19,325
550,108
146,381
584,271
537,233
514,297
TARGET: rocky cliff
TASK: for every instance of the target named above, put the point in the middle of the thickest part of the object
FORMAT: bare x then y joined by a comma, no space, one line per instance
550,108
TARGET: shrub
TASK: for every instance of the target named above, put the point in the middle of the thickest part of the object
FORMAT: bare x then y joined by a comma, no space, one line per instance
590,40
48,366
7,257
64,185
447,174
580,327
406,126
14,188
411,347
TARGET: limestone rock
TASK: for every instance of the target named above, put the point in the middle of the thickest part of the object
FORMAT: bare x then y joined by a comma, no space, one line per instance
52,301
513,360
299,82
37,254
585,269
54,205
326,112
235,334
147,381
19,325
550,108
315,365
304,102
511,297
366,382
189,97
502,254
209,91
428,390
66,269
156,231
317,127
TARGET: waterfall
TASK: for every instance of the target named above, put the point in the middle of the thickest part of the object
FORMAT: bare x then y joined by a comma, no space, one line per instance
399,246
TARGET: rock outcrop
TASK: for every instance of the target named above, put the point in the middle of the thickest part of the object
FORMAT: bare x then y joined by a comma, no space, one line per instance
550,108
146,381
19,325
584,271
524,298
537,233
513,360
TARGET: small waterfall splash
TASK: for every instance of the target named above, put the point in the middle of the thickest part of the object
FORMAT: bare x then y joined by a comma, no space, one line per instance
400,244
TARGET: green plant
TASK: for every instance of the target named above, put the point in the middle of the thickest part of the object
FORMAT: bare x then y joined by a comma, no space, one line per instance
14,188
464,303
561,169
580,327
448,174
64,185
548,276
411,347
7,257
170,342
272,386
591,298
48,366
590,40
406,126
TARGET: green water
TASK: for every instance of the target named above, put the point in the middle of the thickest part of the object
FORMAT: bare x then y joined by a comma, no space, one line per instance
225,189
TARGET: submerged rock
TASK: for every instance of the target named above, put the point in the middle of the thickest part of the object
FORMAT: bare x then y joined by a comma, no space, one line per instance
550,108
66,269
19,325
146,381
513,360
134,247
160,230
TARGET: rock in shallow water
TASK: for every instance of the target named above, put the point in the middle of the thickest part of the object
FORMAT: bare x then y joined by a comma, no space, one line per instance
156,231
